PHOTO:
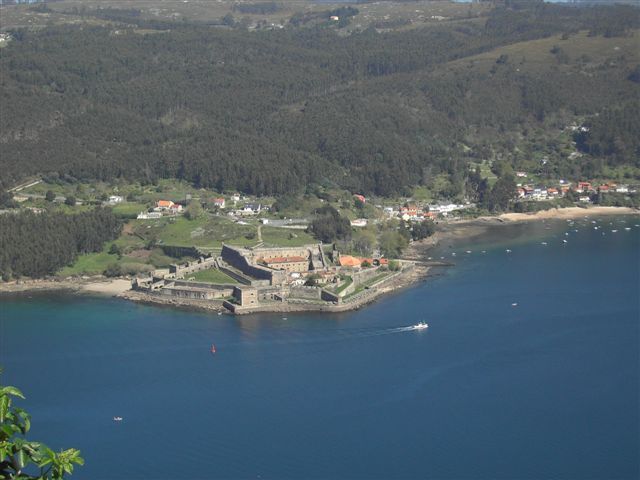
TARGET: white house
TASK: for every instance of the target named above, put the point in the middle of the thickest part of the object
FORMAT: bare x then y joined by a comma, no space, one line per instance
113,199
148,215
359,222
251,208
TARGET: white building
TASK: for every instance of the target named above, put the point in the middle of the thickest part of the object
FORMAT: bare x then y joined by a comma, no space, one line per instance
148,215
113,199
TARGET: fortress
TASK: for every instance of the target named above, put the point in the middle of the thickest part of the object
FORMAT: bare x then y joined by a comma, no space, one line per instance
267,278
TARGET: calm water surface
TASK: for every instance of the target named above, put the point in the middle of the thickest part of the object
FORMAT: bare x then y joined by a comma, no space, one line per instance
548,388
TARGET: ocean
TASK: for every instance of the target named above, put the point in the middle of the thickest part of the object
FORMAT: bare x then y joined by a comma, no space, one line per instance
529,369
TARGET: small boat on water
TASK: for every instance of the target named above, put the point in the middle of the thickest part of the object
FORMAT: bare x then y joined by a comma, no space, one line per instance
543,243
117,419
564,241
420,326
508,251
213,348
514,304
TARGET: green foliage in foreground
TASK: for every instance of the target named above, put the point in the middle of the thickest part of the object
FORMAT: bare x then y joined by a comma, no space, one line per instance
17,454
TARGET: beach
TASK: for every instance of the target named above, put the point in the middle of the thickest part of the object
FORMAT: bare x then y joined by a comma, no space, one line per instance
91,285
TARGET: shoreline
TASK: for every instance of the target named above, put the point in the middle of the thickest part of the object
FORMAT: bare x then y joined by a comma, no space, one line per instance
449,231
99,286
418,273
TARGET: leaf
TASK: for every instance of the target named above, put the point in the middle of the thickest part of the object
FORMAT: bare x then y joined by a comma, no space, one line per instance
20,458
4,407
11,391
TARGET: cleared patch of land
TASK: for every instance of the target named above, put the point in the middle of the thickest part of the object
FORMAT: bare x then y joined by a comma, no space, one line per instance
212,276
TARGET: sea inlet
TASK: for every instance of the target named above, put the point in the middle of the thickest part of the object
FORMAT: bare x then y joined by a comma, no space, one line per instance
529,369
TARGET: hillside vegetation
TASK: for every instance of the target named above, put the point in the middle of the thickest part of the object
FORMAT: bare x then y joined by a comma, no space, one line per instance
272,112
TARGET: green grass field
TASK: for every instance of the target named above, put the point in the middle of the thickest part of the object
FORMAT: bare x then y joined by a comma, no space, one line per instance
213,276
206,231
286,237
89,264
129,209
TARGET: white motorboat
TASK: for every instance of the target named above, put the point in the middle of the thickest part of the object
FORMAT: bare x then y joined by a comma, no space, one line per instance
420,326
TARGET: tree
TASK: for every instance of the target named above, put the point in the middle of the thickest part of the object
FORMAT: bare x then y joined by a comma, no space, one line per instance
6,199
392,243
422,230
193,210
115,250
50,196
113,270
329,225
228,20
394,266
17,454
70,200
501,195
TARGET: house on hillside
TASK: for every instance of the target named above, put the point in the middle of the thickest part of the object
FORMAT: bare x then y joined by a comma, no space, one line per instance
251,209
359,197
219,202
359,222
584,187
114,199
163,205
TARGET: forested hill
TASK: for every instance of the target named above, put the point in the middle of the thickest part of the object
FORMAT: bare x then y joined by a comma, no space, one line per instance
272,112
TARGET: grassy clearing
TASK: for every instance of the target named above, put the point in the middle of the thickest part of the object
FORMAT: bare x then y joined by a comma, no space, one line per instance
213,276
347,281
129,209
285,237
89,264
208,232
538,56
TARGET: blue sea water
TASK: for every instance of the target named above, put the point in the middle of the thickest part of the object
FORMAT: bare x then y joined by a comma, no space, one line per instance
545,389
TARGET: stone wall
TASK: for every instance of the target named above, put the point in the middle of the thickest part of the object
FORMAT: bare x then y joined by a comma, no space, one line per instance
196,290
309,293
237,259
364,275
192,267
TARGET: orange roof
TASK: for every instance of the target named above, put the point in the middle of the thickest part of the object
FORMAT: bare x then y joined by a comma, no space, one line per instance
165,203
383,261
285,260
349,261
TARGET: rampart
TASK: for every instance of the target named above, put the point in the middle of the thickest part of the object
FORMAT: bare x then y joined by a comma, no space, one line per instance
309,293
242,258
203,263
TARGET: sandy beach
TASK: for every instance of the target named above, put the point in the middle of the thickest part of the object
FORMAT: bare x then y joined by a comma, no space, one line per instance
466,229
94,286
566,213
